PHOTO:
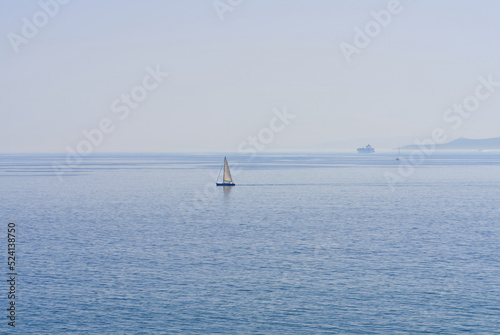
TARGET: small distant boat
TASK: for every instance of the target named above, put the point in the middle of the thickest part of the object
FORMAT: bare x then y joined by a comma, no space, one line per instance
227,180
366,150
399,158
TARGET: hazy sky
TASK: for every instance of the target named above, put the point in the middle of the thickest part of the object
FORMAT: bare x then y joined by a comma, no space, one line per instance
227,76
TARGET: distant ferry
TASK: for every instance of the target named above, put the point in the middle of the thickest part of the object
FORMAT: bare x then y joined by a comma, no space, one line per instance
366,150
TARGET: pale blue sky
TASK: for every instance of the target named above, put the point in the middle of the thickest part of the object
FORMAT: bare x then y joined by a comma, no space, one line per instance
227,76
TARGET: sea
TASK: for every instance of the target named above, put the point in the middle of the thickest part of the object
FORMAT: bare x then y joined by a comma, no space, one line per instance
305,243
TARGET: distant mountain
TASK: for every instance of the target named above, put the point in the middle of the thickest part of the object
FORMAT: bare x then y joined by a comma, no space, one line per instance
465,144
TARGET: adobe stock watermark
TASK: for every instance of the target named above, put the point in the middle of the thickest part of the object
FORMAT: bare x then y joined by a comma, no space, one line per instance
31,27
453,118
121,108
364,37
248,147
223,6
264,137
257,143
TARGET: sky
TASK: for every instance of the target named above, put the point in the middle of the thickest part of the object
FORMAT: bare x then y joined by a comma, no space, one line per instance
233,64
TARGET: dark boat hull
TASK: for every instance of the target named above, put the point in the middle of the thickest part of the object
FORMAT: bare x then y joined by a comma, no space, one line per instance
225,184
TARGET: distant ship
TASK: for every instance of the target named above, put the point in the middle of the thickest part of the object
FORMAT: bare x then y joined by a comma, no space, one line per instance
399,158
227,180
366,150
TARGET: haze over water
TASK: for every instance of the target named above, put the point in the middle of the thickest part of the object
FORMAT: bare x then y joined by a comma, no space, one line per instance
304,244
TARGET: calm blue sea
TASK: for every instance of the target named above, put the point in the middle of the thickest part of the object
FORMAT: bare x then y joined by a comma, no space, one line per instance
304,244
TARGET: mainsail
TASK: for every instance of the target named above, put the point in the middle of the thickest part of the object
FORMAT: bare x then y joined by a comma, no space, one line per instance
227,173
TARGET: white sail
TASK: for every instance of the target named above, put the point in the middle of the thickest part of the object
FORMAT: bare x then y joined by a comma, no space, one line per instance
227,173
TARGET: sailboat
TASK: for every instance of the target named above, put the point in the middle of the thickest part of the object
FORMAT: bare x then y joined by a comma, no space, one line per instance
399,158
227,180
